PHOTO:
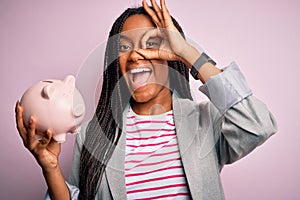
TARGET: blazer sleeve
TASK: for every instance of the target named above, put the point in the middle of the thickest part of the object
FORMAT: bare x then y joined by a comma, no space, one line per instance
241,121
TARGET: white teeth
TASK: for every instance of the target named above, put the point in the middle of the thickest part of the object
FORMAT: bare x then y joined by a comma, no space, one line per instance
139,70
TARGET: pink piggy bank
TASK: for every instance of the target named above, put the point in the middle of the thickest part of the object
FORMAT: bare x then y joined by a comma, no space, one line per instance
56,105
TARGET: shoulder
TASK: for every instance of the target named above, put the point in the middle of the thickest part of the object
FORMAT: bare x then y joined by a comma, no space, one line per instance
187,107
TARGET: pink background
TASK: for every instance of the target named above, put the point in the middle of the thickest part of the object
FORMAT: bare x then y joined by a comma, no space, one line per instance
49,39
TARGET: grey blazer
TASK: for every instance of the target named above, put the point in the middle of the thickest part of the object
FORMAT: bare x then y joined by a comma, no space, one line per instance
210,134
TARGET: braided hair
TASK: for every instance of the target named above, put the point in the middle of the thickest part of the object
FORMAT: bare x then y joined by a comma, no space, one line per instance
104,130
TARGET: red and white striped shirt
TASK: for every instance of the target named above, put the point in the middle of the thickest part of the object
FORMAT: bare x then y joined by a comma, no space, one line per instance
153,168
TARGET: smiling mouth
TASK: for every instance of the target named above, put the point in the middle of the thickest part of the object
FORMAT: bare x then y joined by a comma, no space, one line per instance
139,77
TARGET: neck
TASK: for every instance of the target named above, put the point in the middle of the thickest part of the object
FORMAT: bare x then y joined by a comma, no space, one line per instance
155,106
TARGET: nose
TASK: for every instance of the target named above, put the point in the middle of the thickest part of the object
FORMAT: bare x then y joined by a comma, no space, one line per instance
135,56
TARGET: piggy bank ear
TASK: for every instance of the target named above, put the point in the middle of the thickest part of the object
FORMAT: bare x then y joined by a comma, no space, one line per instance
70,80
48,92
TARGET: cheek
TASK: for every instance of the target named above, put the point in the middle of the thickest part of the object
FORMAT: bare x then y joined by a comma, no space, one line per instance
163,71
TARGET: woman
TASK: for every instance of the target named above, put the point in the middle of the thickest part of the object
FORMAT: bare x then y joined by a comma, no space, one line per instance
148,139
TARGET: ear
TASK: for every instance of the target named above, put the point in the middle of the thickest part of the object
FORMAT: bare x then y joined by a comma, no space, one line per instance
70,80
48,92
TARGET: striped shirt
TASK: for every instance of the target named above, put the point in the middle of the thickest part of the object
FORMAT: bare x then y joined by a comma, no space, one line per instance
153,168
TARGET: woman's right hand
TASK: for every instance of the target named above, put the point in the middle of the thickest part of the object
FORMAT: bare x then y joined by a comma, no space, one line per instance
45,150
173,45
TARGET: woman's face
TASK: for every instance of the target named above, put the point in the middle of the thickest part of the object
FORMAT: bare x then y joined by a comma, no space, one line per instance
147,80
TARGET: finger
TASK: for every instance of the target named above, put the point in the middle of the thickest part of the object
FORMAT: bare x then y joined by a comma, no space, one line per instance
155,54
158,11
152,14
31,139
17,105
150,34
166,14
47,138
20,123
149,54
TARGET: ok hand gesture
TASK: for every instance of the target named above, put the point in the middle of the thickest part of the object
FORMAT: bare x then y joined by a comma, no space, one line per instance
173,45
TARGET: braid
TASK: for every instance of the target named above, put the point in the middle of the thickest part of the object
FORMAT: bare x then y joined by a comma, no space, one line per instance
104,130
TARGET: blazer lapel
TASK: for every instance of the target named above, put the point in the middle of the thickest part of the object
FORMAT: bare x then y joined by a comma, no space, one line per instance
186,118
196,147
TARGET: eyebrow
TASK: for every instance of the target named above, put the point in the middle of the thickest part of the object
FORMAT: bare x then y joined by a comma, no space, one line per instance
124,37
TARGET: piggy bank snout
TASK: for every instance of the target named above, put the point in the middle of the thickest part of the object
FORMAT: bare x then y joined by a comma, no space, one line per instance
78,104
78,110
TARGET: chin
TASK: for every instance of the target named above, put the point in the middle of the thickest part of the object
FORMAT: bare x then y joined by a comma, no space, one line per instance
141,98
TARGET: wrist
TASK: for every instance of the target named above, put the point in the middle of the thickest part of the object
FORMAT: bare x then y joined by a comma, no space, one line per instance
204,59
189,55
51,170
56,183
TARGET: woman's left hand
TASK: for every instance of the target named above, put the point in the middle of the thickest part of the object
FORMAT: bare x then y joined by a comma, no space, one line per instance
173,46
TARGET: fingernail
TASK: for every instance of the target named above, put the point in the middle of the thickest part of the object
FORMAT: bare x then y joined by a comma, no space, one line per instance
31,120
18,104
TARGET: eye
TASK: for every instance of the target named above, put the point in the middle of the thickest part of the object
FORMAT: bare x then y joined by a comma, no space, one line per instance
125,44
153,43
124,48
